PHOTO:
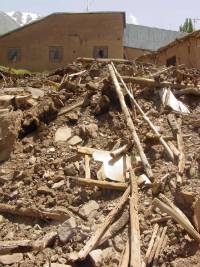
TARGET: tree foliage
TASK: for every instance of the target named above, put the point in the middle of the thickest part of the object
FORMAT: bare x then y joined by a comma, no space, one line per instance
187,26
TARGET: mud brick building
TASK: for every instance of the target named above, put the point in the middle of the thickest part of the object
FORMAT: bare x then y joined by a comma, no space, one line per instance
142,40
59,38
185,50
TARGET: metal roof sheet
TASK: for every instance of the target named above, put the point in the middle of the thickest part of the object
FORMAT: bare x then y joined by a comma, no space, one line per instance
148,38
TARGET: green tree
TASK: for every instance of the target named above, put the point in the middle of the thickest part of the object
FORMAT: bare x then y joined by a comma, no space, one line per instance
187,26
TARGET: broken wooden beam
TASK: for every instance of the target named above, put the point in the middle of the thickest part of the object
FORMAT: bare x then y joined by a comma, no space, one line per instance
9,247
181,164
135,254
151,125
151,243
106,60
34,212
159,247
115,227
177,217
87,167
124,262
155,245
151,83
99,183
130,124
96,237
120,151
68,109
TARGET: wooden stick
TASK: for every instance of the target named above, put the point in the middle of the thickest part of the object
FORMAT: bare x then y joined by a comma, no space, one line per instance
35,213
125,255
158,250
77,73
87,167
162,71
9,247
68,109
166,137
135,255
173,148
181,164
177,217
161,220
151,83
154,234
130,124
106,60
165,145
171,204
87,150
118,152
155,245
115,227
94,240
44,242
164,244
99,183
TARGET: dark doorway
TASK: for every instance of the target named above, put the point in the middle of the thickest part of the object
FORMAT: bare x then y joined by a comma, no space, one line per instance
100,52
171,61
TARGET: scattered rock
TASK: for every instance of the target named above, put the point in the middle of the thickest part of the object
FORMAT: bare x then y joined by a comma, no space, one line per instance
102,106
32,160
28,148
58,185
9,127
89,209
66,230
96,257
72,117
70,170
75,140
46,191
11,259
90,130
118,243
63,134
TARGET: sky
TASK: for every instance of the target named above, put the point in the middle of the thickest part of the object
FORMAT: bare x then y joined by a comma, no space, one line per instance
169,14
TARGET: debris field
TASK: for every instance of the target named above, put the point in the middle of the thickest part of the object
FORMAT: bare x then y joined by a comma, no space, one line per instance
99,166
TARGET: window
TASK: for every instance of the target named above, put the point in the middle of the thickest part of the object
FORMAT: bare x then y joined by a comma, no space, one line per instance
55,53
171,61
100,52
14,54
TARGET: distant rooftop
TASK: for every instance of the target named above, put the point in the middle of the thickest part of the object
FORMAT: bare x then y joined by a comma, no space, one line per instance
148,38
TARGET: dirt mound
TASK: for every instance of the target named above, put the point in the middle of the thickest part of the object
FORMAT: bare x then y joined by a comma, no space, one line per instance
65,199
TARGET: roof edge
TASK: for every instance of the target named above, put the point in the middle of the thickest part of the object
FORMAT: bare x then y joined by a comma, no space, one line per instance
65,13
188,36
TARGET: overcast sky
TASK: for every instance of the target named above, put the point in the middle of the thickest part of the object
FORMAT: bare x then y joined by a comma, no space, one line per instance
167,14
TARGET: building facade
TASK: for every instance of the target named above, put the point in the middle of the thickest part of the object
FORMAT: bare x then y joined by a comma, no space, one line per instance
183,50
141,40
58,39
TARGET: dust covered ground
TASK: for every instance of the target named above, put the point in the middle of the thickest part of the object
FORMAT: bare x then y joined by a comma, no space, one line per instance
37,164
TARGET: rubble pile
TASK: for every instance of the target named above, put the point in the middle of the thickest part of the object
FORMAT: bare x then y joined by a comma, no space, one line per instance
99,166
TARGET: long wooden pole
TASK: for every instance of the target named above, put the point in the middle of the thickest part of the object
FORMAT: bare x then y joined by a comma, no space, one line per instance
135,255
93,241
177,217
167,148
129,122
